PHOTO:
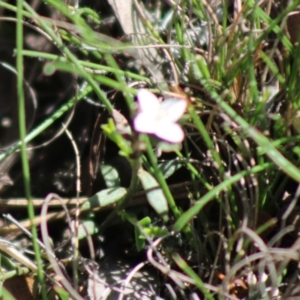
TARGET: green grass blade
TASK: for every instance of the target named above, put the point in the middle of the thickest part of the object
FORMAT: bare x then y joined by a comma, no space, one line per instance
22,129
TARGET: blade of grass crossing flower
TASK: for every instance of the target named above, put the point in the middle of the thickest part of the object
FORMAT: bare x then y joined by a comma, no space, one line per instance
161,179
162,182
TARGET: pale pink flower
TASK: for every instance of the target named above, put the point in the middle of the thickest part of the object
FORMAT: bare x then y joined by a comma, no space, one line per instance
159,118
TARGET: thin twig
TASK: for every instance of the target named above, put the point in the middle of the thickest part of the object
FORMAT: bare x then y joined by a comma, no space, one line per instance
75,240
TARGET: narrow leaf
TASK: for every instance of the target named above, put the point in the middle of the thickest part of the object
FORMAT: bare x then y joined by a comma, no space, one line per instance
139,241
86,228
168,168
110,175
155,195
104,198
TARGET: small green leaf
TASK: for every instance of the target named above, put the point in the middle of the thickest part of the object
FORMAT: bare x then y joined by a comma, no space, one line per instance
86,228
49,69
152,231
112,133
6,263
139,242
155,231
104,198
145,221
155,195
110,175
166,147
168,168
63,294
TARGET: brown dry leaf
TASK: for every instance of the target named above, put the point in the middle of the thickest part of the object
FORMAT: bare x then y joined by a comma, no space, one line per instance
293,22
20,287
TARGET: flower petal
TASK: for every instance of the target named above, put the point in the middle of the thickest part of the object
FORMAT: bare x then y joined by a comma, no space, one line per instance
148,102
169,132
173,109
145,123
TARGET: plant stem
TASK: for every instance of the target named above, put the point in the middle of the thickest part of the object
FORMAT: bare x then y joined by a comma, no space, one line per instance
22,129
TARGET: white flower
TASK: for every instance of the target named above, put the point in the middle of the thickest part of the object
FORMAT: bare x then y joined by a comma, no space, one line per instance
159,118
